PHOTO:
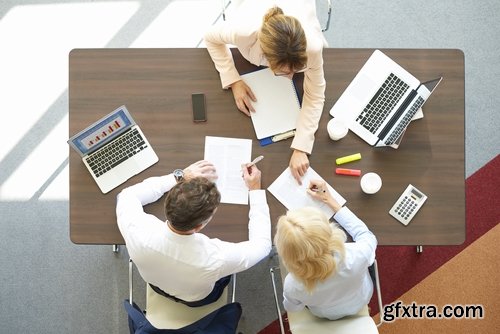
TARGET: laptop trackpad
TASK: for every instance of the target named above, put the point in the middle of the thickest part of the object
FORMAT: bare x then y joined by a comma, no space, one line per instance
363,87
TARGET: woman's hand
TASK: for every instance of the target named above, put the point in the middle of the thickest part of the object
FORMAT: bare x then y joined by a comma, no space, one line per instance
243,96
299,163
318,190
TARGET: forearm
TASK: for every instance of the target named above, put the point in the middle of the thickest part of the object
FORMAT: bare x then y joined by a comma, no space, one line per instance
149,190
259,225
216,41
355,227
312,107
243,255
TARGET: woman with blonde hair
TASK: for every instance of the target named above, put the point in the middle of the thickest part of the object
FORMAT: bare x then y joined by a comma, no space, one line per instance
326,274
286,36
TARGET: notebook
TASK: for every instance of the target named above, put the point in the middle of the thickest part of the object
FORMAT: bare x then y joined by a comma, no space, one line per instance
381,100
277,107
113,149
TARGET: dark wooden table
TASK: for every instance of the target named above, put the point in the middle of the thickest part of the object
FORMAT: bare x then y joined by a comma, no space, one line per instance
156,87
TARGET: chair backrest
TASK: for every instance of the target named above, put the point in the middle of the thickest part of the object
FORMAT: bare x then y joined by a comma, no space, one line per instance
166,316
163,312
326,6
305,322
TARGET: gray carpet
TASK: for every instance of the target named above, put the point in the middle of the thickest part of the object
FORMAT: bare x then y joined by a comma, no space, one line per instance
50,285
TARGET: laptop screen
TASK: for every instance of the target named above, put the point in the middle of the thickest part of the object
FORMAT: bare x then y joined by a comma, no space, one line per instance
102,132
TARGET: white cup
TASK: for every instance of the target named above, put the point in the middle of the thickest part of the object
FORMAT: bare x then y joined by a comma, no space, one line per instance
371,183
336,129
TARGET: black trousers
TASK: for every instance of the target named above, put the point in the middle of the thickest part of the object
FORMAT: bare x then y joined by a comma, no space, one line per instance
371,271
217,291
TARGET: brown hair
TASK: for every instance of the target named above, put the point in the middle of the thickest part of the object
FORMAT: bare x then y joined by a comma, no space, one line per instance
190,203
306,243
283,41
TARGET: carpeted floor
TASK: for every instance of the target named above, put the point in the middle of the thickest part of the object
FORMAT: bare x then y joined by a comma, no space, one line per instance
464,274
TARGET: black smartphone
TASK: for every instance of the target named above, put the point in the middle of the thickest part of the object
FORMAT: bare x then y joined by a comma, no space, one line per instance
199,108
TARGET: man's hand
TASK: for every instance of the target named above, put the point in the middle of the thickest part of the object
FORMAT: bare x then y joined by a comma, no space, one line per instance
201,168
252,177
299,163
243,96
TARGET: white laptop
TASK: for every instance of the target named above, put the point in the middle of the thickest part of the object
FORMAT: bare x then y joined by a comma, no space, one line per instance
381,100
113,149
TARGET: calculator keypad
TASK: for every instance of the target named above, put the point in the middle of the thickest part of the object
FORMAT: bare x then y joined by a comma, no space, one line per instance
407,205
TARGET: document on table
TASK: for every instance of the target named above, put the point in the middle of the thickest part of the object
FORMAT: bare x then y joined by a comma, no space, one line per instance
227,154
294,196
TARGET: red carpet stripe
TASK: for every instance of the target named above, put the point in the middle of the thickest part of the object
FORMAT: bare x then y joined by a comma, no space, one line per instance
401,268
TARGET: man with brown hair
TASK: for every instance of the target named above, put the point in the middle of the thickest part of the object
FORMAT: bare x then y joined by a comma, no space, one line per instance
172,256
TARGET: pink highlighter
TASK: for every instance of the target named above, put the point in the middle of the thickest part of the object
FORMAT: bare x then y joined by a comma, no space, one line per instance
346,171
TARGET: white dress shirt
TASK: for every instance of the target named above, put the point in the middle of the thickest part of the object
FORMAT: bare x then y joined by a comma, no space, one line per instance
241,30
347,291
186,266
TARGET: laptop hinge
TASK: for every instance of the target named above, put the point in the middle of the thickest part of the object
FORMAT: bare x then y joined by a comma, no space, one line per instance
397,115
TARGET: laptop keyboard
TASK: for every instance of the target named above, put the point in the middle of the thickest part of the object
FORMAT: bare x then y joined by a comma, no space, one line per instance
375,112
113,154
404,122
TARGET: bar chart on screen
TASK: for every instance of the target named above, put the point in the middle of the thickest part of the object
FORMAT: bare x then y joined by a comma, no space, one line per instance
102,132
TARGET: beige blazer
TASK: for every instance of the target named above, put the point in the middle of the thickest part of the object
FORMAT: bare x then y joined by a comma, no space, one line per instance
241,30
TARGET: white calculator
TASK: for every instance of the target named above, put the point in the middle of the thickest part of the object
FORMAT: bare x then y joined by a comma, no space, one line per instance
407,204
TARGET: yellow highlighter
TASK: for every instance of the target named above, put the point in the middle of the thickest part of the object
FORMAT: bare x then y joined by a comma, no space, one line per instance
348,158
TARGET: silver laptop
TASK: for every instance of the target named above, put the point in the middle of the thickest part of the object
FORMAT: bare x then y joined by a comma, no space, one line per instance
381,101
113,149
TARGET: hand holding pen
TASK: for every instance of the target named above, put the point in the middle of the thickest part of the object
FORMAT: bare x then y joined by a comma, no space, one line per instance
251,174
318,190
254,162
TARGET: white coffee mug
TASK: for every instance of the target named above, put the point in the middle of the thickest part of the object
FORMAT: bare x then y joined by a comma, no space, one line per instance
336,129
371,183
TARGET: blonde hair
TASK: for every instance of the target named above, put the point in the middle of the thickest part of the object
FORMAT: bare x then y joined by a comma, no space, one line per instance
306,243
283,41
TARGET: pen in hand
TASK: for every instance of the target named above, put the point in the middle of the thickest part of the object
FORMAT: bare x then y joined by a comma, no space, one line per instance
249,165
317,190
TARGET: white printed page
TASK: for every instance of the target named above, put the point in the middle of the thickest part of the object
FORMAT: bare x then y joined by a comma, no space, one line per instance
294,196
227,154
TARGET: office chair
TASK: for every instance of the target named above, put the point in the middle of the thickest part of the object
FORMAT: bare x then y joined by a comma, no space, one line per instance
165,316
305,322
237,2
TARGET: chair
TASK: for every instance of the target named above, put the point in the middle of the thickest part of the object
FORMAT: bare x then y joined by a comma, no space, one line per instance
305,322
165,316
237,2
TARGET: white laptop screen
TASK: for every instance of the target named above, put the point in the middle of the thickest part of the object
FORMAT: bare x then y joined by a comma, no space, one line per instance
102,132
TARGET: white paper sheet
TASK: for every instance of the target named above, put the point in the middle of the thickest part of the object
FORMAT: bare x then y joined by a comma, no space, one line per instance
227,154
294,196
277,107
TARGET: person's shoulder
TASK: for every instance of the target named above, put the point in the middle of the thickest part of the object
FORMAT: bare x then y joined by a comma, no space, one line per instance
315,40
291,283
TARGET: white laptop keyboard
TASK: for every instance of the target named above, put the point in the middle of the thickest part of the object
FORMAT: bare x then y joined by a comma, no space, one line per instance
119,150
